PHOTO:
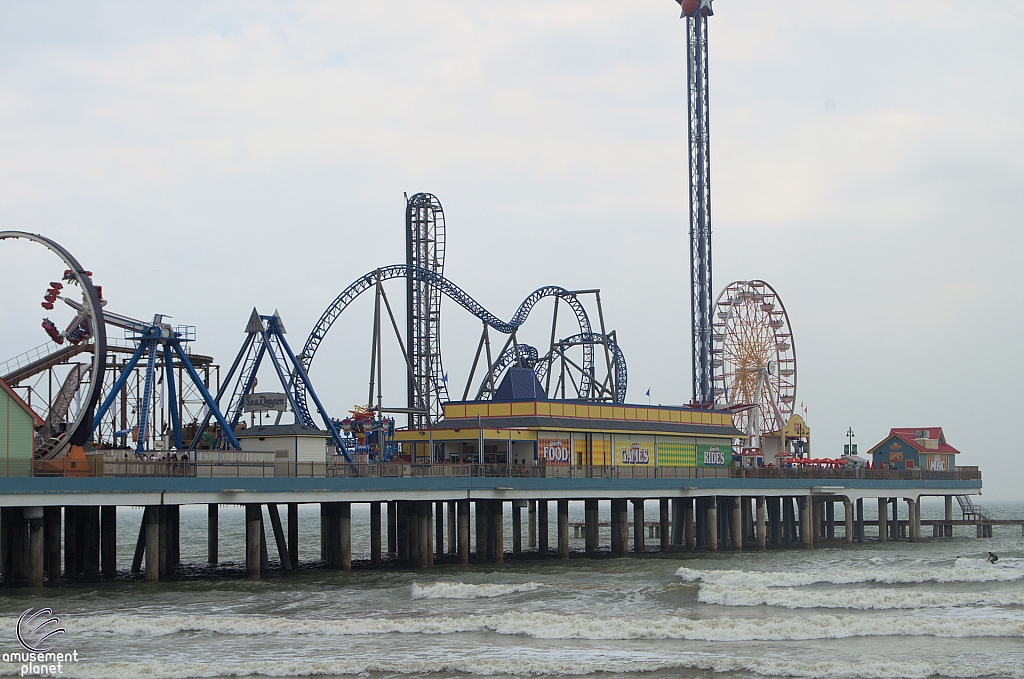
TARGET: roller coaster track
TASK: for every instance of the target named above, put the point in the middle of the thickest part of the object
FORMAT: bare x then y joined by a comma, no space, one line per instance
531,359
457,295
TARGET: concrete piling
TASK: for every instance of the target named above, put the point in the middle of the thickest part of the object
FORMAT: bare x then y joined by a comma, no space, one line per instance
453,527
498,531
542,528
563,529
151,520
712,530
638,526
212,533
108,541
665,528
762,525
531,523
293,533
883,512
253,523
392,527
51,540
737,524
590,517
689,520
463,512
375,535
848,520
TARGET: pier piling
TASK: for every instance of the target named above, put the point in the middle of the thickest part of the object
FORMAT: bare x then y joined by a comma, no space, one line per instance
253,523
689,527
531,524
293,533
393,528
425,551
590,517
517,526
665,532
453,527
108,541
151,520
498,531
638,526
212,533
563,529
542,528
712,514
762,526
883,511
737,524
463,511
34,515
439,527
279,537
848,520
51,540
375,535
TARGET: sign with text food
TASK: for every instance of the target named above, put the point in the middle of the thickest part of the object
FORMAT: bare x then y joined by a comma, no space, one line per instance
266,401
554,449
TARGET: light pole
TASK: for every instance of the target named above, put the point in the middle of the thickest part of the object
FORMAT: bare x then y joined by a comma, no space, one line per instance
851,447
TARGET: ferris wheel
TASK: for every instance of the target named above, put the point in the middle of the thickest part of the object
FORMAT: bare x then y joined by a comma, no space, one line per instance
753,357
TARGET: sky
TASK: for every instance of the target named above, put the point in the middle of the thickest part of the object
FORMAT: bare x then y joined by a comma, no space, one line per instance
867,161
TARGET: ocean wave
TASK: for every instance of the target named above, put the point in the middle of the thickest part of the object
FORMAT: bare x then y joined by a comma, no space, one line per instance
965,570
860,598
554,626
773,667
463,590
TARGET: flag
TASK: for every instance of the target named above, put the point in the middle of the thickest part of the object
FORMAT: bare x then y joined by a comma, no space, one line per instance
648,392
444,378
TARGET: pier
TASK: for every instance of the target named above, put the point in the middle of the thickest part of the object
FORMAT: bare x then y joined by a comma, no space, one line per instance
416,518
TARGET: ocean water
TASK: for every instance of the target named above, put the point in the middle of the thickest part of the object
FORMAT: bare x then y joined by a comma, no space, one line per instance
936,608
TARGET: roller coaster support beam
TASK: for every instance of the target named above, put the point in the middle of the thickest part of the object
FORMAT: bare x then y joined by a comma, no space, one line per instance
172,397
274,328
224,386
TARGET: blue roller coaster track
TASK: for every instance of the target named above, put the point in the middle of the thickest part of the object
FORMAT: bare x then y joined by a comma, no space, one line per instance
460,297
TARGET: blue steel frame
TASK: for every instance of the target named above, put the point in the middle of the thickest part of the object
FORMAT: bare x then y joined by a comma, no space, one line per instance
261,340
153,339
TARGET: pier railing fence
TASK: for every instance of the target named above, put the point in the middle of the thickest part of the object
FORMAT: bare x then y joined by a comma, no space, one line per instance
130,468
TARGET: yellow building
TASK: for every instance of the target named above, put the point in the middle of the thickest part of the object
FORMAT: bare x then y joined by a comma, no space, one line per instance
565,433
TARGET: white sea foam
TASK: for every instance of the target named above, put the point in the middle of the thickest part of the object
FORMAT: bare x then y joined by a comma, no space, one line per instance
553,626
860,598
965,570
502,666
463,590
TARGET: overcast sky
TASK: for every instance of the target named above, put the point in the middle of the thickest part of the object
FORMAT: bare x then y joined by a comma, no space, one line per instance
867,161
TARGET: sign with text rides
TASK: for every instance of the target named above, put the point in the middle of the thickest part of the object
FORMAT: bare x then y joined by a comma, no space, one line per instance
676,452
633,450
554,448
714,454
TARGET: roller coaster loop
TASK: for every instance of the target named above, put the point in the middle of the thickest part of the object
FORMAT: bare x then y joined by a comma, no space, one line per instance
460,297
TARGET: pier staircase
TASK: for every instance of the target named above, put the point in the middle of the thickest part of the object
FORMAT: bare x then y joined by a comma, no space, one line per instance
971,511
